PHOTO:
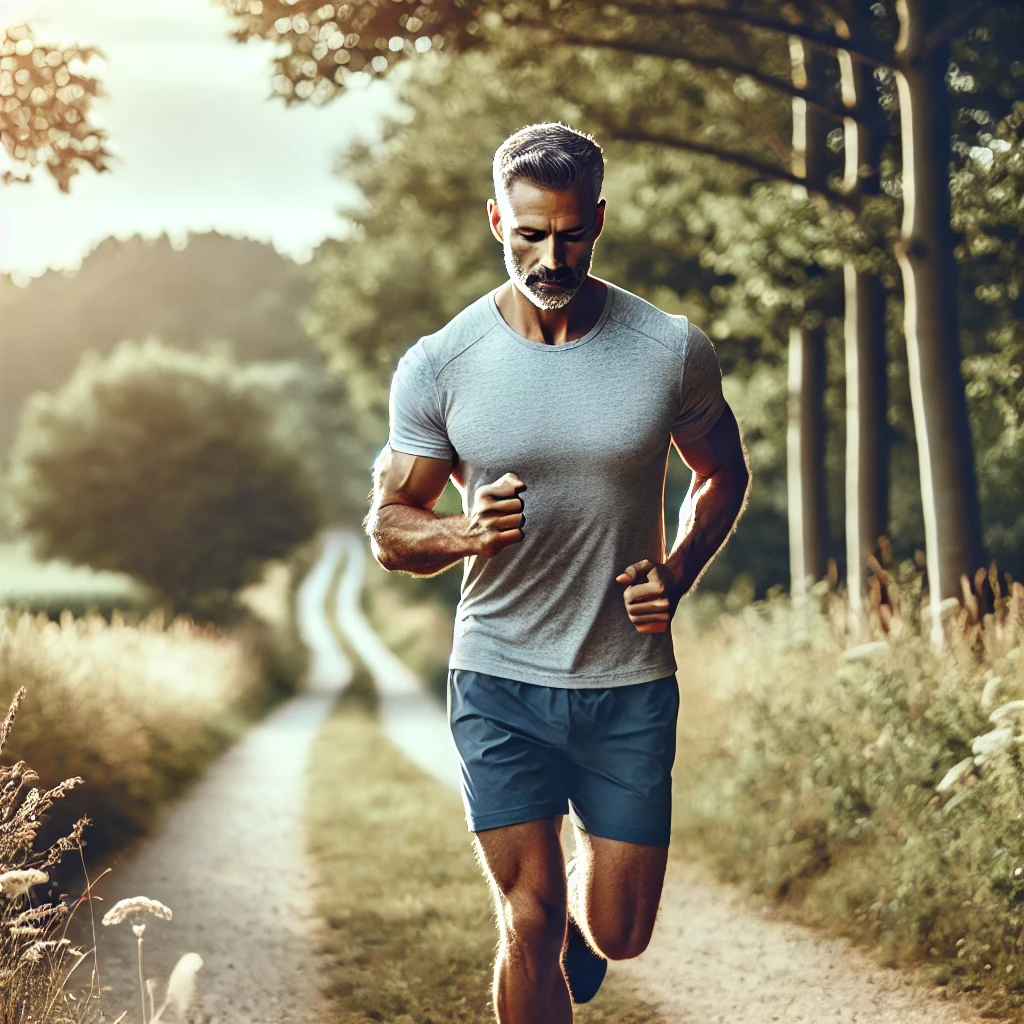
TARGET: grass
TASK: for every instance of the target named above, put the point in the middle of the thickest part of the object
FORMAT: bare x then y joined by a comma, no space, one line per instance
411,935
22,576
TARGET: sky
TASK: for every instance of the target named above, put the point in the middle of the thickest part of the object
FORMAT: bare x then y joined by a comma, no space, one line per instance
197,143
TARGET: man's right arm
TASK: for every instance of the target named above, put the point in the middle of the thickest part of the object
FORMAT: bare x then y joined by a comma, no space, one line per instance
407,536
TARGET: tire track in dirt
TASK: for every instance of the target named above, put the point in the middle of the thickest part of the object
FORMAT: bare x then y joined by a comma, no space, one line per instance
229,860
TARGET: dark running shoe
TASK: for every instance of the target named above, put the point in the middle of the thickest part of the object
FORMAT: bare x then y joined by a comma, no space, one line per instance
584,969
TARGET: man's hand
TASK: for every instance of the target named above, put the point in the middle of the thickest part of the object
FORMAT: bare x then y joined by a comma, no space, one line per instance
647,595
497,517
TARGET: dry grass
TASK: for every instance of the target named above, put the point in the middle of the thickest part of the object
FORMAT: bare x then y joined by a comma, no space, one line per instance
410,930
878,790
136,709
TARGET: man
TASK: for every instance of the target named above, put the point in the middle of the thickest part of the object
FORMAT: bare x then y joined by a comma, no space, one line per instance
551,402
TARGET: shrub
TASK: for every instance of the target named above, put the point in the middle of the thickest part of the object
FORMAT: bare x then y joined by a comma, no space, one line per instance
138,710
165,465
878,789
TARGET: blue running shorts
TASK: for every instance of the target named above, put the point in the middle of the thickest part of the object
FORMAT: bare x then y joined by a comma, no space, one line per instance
604,756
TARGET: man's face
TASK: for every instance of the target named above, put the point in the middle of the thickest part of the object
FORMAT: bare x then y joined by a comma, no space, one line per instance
548,238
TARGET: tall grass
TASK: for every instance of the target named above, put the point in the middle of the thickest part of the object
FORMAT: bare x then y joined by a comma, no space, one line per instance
137,709
877,789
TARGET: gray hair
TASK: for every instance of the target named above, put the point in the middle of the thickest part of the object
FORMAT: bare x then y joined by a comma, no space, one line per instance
551,155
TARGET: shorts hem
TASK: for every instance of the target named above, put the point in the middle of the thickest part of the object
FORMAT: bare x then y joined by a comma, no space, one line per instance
623,833
516,816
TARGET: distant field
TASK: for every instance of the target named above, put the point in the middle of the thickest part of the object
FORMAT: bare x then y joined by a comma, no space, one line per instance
21,576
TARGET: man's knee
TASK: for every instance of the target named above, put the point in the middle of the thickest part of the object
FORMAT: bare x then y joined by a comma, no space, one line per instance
533,923
622,940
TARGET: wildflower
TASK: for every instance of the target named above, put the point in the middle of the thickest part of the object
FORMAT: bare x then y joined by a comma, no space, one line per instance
18,883
124,909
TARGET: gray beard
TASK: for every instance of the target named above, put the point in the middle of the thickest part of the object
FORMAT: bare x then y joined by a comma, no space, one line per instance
540,298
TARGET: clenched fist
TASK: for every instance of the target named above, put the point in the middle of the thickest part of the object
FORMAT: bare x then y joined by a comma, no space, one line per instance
497,517
647,596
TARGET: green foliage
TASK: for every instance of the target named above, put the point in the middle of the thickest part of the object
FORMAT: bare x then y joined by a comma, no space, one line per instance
823,778
164,465
215,289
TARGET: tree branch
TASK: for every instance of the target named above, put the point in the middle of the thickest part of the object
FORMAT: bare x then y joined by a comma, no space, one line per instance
674,51
827,39
959,19
748,163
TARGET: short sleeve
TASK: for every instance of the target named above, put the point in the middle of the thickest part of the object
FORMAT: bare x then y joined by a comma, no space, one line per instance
701,401
417,426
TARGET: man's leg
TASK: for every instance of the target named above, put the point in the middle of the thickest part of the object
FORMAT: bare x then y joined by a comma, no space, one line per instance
616,889
526,869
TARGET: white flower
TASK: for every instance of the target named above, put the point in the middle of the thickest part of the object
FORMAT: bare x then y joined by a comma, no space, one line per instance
135,905
994,742
17,883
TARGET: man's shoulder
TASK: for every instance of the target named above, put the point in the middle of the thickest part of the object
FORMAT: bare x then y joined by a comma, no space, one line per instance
629,310
463,331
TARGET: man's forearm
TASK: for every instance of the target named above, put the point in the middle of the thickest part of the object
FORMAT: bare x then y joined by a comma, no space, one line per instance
414,540
708,517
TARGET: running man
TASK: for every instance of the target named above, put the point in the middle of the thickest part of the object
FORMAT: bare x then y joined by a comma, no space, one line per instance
552,402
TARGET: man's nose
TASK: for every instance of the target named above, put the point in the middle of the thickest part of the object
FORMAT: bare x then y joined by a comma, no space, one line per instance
554,252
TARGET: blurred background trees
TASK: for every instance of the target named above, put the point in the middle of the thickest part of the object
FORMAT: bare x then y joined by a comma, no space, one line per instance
886,95
166,465
760,161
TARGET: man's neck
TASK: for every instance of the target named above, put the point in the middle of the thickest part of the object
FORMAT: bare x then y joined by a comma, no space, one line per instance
553,326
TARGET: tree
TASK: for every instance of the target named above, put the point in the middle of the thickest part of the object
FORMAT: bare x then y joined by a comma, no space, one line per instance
45,98
164,465
805,430
867,460
688,32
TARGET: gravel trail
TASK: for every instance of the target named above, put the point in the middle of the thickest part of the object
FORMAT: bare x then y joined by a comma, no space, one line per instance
715,958
229,860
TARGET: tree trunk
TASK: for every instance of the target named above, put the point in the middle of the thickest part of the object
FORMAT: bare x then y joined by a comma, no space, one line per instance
805,458
867,449
805,434
867,466
925,253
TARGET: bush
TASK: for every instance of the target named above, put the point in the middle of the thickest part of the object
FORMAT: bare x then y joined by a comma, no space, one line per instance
165,465
878,790
137,710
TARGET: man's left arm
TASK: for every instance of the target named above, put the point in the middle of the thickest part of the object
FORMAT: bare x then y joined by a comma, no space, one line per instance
716,498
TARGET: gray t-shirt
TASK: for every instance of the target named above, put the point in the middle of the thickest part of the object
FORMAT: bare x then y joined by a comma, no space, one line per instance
586,426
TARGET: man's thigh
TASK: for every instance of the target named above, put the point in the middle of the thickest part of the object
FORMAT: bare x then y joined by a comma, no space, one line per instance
621,750
619,890
509,736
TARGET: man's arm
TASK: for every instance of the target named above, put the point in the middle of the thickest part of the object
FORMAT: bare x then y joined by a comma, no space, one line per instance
406,535
716,498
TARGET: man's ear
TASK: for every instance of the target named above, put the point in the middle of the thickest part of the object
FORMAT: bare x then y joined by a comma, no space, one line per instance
494,219
599,220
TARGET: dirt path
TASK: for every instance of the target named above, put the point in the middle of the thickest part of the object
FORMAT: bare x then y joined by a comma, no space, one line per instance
714,958
229,860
